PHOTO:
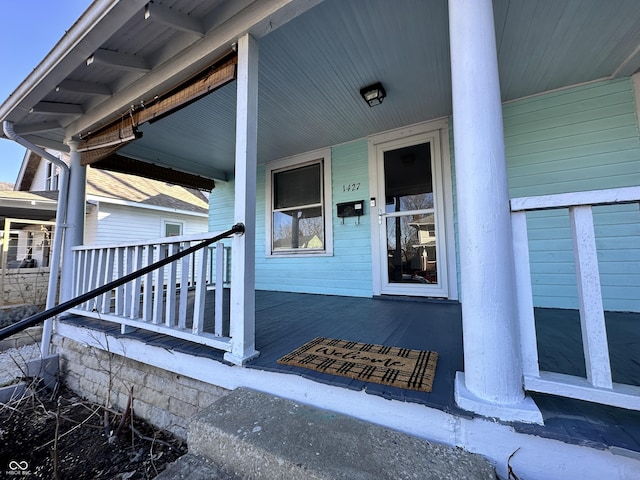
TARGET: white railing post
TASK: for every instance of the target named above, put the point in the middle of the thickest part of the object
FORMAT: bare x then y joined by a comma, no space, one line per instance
594,332
526,319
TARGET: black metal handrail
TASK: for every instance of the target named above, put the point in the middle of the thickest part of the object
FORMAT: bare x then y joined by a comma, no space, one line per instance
52,312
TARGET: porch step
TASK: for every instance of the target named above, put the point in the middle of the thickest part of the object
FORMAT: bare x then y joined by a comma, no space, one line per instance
253,435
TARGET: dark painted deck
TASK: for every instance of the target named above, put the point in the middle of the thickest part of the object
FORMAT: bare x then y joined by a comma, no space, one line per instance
285,321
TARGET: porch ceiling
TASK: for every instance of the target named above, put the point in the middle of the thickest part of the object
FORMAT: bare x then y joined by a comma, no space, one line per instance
311,70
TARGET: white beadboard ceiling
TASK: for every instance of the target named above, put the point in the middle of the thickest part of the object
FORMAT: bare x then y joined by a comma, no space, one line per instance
312,68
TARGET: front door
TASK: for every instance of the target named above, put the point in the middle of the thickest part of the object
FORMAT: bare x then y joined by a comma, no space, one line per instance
410,217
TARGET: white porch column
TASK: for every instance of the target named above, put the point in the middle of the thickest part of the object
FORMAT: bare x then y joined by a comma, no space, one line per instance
74,233
243,247
492,382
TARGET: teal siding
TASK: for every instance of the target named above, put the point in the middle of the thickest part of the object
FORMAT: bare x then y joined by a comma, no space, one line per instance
348,271
578,139
584,138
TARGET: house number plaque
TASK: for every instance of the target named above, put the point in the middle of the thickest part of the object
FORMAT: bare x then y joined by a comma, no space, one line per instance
351,187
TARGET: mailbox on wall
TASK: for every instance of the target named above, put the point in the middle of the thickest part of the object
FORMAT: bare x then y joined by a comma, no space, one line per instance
350,209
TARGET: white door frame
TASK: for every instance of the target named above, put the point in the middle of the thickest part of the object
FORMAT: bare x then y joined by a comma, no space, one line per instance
437,131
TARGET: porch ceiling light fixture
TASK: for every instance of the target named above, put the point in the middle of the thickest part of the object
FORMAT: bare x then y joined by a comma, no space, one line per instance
373,94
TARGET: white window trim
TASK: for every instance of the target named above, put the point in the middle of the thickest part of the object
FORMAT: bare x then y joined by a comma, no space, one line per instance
51,177
169,221
292,162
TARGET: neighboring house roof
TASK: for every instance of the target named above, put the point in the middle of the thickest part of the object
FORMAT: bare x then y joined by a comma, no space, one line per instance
27,205
120,186
115,187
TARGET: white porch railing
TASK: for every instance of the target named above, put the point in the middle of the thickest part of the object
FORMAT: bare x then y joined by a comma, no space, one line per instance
598,386
169,300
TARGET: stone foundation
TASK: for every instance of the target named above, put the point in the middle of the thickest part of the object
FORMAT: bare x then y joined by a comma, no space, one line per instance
165,399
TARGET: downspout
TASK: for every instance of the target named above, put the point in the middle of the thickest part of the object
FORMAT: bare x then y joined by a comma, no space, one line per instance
61,214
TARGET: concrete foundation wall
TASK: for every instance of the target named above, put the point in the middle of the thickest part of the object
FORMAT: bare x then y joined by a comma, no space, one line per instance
167,400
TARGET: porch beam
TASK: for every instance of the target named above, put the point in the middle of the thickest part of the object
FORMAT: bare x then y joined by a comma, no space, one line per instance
90,88
492,382
175,20
242,326
119,60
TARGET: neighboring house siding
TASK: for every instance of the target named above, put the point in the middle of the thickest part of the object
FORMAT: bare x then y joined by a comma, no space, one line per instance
348,271
584,138
38,183
121,224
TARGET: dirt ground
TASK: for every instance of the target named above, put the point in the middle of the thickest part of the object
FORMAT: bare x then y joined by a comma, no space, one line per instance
61,436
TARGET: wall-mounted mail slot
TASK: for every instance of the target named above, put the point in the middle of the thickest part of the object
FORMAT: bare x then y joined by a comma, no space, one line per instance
351,209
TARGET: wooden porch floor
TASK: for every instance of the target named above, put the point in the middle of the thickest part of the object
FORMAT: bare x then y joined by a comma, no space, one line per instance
284,321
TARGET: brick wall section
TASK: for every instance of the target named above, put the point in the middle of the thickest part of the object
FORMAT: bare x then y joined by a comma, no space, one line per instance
165,399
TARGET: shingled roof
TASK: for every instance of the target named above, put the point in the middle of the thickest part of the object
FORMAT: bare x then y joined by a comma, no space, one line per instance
108,185
121,186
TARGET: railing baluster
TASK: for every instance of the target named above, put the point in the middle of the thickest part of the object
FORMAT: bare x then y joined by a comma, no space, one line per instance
134,313
147,299
128,287
94,265
594,332
184,288
201,291
159,287
100,274
119,274
110,265
93,278
219,292
170,302
80,272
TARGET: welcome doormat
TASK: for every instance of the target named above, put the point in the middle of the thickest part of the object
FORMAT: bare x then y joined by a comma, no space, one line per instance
397,367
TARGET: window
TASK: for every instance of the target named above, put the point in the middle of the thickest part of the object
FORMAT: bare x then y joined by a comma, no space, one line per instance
299,205
52,177
172,229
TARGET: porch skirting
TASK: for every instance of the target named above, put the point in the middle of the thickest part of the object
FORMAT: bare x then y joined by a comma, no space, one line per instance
165,399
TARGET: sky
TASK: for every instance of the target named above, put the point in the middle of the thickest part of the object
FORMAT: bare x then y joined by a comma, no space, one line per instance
29,29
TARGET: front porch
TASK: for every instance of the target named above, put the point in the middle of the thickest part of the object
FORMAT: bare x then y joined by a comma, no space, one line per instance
285,321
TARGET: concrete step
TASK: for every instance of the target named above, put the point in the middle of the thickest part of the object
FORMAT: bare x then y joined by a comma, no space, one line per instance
256,436
193,467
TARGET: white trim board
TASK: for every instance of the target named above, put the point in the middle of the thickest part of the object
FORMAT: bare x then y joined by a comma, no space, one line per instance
134,204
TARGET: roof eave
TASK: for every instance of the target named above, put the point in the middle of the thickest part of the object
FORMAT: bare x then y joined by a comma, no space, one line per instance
97,24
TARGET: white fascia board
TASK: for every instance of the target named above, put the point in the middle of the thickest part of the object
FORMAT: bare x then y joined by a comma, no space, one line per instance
129,203
259,19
